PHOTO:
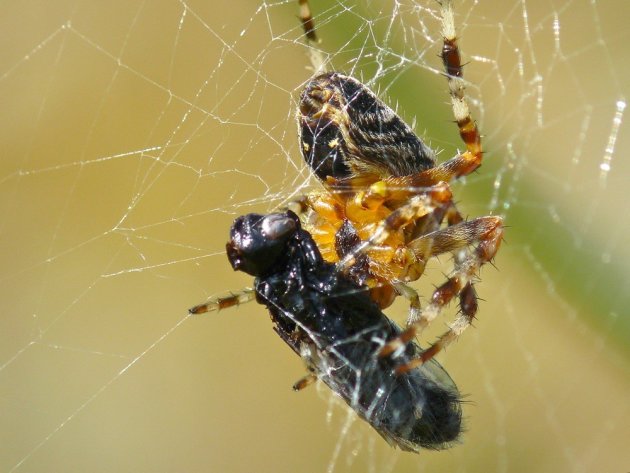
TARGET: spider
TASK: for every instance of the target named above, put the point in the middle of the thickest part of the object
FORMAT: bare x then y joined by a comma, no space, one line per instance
380,217
386,208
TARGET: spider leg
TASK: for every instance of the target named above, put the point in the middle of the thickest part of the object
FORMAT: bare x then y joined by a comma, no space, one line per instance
458,236
297,204
468,296
423,227
467,264
461,323
412,296
310,33
470,159
468,131
454,237
418,206
428,245
219,303
489,232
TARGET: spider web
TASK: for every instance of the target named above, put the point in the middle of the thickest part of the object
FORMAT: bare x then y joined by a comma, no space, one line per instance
134,132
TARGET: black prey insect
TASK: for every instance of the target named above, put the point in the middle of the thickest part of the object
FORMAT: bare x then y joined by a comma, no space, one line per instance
338,330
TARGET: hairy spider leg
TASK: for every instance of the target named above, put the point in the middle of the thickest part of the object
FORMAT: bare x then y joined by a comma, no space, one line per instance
458,283
380,192
418,206
316,56
469,160
488,232
436,242
456,238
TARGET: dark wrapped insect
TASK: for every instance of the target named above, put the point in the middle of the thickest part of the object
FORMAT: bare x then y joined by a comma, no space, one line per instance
338,330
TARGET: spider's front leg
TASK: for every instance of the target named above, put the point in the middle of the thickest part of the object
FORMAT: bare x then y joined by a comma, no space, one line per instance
469,160
434,242
488,231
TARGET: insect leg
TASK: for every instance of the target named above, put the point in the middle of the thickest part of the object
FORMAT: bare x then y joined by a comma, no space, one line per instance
304,382
219,303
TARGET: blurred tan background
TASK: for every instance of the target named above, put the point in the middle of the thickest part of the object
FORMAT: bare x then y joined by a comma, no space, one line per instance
134,132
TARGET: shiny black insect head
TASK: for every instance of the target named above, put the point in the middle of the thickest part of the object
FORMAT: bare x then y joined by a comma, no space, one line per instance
347,131
334,325
257,242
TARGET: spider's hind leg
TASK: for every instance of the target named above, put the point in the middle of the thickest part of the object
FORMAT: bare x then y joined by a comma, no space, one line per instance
488,231
469,160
